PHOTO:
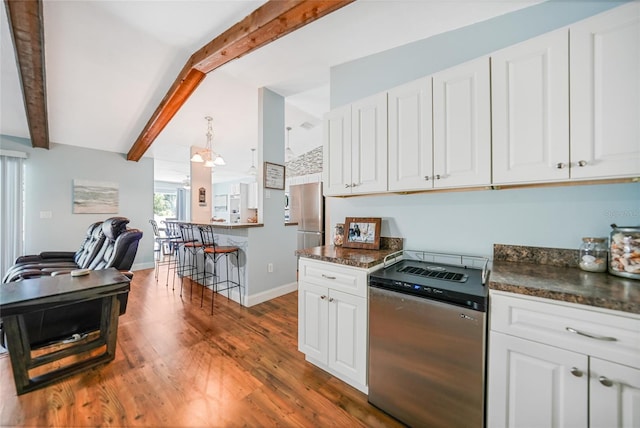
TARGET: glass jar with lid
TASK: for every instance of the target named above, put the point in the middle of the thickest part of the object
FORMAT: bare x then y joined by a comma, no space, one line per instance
593,254
624,245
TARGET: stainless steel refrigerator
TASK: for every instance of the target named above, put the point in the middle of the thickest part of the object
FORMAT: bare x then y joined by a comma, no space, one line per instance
307,209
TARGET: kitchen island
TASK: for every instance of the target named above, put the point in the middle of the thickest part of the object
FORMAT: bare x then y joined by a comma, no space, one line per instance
259,255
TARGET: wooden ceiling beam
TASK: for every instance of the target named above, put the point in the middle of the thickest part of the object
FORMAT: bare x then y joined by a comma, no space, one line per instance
27,31
272,20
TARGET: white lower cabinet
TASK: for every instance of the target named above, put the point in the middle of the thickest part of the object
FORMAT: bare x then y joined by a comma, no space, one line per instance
332,319
531,385
561,365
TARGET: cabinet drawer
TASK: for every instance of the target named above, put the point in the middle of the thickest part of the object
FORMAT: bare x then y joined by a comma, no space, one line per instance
610,335
337,277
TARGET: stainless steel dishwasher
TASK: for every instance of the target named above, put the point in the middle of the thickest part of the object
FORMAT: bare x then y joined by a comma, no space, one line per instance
427,333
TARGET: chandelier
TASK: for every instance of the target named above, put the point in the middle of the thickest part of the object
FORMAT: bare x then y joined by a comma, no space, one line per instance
208,156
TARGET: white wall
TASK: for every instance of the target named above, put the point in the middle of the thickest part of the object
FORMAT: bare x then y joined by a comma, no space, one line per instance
472,221
49,176
375,73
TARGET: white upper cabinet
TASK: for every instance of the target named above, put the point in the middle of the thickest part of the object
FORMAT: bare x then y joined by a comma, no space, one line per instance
410,136
440,135
355,148
337,151
369,145
462,125
530,110
605,94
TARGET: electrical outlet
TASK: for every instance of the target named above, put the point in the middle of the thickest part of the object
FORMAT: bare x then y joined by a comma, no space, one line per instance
45,214
270,267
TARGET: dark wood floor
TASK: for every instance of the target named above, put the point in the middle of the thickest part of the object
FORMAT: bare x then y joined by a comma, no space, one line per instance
177,365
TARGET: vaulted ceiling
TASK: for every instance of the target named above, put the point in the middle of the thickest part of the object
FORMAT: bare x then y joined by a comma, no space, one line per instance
110,63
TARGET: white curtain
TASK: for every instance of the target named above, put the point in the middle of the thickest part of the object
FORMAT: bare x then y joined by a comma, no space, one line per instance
11,207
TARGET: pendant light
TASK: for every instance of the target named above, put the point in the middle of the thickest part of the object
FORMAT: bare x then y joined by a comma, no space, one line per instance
208,156
288,154
252,170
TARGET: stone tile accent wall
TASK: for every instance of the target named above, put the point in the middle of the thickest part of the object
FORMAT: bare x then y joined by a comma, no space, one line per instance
305,164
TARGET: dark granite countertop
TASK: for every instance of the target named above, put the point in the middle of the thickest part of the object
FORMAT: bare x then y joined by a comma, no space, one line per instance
551,273
352,256
224,225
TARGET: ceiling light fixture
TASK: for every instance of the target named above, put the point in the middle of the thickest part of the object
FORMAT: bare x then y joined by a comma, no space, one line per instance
208,156
252,170
288,154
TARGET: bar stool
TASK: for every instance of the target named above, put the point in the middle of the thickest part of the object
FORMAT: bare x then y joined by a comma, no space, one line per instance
159,242
191,246
215,253
175,241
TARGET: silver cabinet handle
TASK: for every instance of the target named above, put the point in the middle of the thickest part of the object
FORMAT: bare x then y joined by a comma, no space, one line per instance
346,186
437,176
328,277
323,297
426,178
592,336
331,299
605,381
582,163
560,165
576,372
354,184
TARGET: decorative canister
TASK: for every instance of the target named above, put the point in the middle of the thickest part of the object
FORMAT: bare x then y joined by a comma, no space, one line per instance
338,234
593,254
624,251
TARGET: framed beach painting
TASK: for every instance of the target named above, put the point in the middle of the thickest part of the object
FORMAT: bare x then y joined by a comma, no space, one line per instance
95,197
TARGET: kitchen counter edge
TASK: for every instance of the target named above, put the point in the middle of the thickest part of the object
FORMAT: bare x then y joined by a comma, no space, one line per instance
565,283
365,259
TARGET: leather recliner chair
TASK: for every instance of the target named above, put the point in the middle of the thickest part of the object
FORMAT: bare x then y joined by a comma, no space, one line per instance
107,244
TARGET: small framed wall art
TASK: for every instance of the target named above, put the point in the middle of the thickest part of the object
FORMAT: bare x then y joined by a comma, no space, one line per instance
362,232
273,176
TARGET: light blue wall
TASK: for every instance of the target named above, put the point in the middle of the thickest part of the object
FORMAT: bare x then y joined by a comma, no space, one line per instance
274,243
375,73
470,222
49,176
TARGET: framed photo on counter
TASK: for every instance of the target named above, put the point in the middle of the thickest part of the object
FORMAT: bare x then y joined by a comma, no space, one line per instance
273,176
362,232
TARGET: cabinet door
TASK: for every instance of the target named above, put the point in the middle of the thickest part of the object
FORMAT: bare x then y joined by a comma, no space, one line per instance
313,321
410,136
337,152
605,94
369,145
462,125
614,395
532,385
530,110
348,335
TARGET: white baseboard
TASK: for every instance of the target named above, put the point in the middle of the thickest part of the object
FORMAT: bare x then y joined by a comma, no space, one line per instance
256,299
142,266
260,297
